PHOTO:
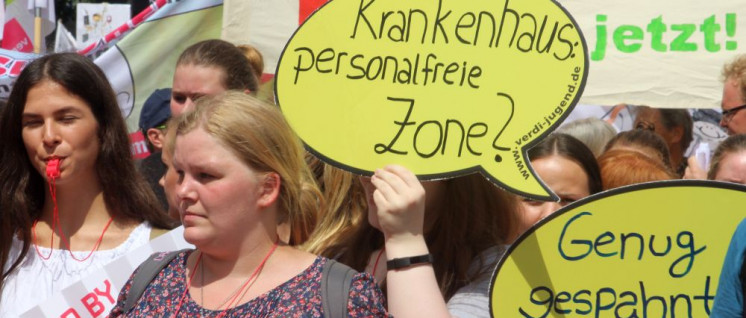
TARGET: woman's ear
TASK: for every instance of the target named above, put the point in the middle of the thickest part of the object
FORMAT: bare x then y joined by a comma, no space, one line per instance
269,189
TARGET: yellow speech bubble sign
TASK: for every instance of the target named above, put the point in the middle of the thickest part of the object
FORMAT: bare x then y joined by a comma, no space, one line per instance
651,250
443,87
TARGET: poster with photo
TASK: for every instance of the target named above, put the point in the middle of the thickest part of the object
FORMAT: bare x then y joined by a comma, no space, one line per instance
95,20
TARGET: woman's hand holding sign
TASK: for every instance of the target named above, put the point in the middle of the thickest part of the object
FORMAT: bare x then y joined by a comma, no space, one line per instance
399,203
397,208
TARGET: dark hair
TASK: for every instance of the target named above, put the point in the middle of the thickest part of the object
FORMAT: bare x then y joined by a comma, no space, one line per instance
22,190
237,71
733,143
676,117
571,148
473,216
640,139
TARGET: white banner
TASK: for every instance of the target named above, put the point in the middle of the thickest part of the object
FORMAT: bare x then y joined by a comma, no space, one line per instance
659,53
266,25
96,295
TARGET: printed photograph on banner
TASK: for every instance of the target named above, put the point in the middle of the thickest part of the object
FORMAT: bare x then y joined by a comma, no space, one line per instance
444,88
648,250
95,20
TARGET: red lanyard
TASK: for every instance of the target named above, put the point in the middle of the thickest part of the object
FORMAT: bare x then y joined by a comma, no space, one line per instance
378,258
53,171
241,290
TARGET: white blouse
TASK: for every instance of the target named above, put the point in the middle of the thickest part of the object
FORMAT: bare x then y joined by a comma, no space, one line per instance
36,279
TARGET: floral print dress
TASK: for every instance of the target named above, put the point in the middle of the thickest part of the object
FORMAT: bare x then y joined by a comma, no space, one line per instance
298,297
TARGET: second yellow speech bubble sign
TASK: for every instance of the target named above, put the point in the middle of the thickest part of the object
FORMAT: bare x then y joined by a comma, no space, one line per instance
443,87
650,250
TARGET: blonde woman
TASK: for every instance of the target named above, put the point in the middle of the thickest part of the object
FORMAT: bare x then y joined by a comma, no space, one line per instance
241,172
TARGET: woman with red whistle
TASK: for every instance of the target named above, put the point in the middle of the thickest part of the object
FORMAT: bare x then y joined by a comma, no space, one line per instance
70,196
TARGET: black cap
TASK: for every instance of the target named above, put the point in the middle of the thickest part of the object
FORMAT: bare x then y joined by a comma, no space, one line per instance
156,110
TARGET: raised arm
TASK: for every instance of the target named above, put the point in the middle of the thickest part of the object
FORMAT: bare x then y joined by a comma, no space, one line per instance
400,207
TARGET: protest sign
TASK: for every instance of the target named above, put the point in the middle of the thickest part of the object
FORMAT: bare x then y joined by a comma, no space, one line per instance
138,145
11,65
648,250
659,53
443,87
19,21
95,295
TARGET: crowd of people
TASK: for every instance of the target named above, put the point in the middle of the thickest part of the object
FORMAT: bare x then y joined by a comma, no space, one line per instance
270,223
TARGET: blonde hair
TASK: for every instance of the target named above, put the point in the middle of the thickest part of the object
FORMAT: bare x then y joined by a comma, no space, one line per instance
344,211
736,69
255,59
169,135
732,144
258,134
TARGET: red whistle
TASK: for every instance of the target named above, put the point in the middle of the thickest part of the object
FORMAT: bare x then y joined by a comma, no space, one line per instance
53,168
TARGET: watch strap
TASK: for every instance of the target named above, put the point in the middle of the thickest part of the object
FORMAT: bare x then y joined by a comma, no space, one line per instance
404,262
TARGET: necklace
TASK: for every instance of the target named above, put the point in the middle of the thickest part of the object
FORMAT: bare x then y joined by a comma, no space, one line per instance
225,301
378,258
56,223
234,297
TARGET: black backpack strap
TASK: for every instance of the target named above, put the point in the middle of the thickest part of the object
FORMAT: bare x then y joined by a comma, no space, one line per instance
336,280
145,274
